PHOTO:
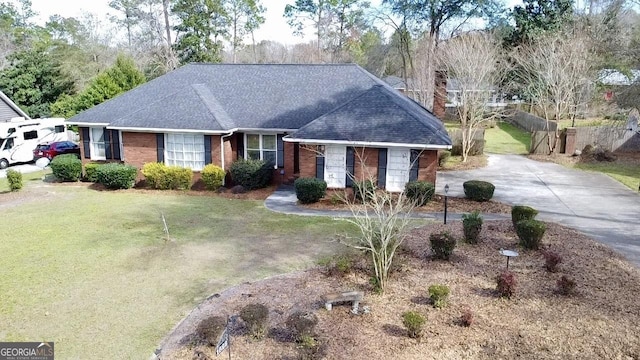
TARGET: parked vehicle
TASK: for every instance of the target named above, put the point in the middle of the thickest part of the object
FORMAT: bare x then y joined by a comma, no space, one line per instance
20,137
54,149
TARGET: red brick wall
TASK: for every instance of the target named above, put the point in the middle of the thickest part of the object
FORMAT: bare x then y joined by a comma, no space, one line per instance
307,161
139,148
428,165
366,165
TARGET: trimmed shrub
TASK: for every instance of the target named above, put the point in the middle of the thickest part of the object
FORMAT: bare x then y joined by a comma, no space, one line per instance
439,295
255,316
478,190
66,167
420,192
252,174
413,321
520,212
472,225
566,285
302,323
162,177
466,319
443,156
211,328
310,190
117,176
506,284
91,172
212,176
364,190
551,260
442,245
339,265
530,233
15,179
309,348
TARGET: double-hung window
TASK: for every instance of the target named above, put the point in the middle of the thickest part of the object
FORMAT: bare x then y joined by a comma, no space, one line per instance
97,144
185,150
262,147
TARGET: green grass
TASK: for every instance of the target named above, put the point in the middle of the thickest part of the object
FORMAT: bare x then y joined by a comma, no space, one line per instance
26,178
506,139
628,174
91,270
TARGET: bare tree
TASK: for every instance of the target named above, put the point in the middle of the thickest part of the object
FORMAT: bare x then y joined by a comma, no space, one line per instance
382,218
475,61
555,70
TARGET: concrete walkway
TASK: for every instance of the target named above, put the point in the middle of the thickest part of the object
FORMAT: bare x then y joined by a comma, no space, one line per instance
284,201
592,203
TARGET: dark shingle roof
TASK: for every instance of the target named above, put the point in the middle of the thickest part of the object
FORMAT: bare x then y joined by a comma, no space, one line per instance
218,97
378,115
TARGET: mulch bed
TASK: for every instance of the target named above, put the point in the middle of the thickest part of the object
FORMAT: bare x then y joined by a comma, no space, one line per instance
454,205
600,321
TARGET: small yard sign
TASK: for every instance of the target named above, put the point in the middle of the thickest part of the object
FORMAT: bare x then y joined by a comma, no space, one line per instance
223,343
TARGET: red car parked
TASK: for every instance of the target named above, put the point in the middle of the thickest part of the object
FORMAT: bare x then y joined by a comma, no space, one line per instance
56,148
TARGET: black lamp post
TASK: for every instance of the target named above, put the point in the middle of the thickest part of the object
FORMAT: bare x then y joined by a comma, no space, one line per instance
446,190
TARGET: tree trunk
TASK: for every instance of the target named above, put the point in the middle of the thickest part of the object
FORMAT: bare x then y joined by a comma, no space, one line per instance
167,26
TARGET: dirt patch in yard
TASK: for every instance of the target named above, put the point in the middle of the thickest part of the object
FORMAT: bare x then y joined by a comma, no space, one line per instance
599,321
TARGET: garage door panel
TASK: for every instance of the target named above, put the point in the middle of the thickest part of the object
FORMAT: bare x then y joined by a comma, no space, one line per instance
335,171
398,166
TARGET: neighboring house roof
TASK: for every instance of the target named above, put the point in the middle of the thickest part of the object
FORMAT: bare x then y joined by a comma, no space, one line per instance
8,109
386,118
616,78
218,98
395,82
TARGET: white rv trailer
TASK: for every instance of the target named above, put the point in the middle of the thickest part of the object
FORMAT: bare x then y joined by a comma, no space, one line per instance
19,137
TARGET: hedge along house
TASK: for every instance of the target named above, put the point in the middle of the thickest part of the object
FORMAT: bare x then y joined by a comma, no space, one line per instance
325,121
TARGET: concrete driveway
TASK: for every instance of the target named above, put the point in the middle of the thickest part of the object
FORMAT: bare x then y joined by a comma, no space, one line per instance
592,203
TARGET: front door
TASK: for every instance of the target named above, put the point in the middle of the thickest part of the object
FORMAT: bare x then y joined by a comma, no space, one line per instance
335,166
398,165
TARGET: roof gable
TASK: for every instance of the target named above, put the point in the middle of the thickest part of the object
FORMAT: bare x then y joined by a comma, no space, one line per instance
378,115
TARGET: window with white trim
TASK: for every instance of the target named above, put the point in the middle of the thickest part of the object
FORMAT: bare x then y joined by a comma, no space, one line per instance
262,147
185,150
96,139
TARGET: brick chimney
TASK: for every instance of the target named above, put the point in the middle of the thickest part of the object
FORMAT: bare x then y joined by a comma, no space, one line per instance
440,94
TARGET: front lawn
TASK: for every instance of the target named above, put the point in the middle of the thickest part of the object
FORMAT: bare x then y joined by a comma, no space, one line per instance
92,271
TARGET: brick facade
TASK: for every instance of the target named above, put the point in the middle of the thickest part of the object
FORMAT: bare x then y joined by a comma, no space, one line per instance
141,148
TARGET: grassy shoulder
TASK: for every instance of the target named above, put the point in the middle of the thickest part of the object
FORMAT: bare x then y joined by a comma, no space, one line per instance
81,265
625,172
26,178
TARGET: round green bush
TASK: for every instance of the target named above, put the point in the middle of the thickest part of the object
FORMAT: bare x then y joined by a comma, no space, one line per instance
478,190
251,174
439,295
66,167
420,192
211,328
472,225
91,172
212,176
530,233
442,245
15,179
117,176
310,190
413,321
520,212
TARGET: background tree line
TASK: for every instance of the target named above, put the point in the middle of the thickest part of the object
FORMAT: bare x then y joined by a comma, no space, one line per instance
70,64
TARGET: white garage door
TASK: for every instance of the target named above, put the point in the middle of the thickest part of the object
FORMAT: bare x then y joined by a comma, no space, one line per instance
335,166
398,166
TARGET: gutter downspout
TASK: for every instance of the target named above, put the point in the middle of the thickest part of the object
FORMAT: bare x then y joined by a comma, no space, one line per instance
222,159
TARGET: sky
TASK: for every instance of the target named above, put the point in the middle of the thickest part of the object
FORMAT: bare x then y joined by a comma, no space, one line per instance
275,27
